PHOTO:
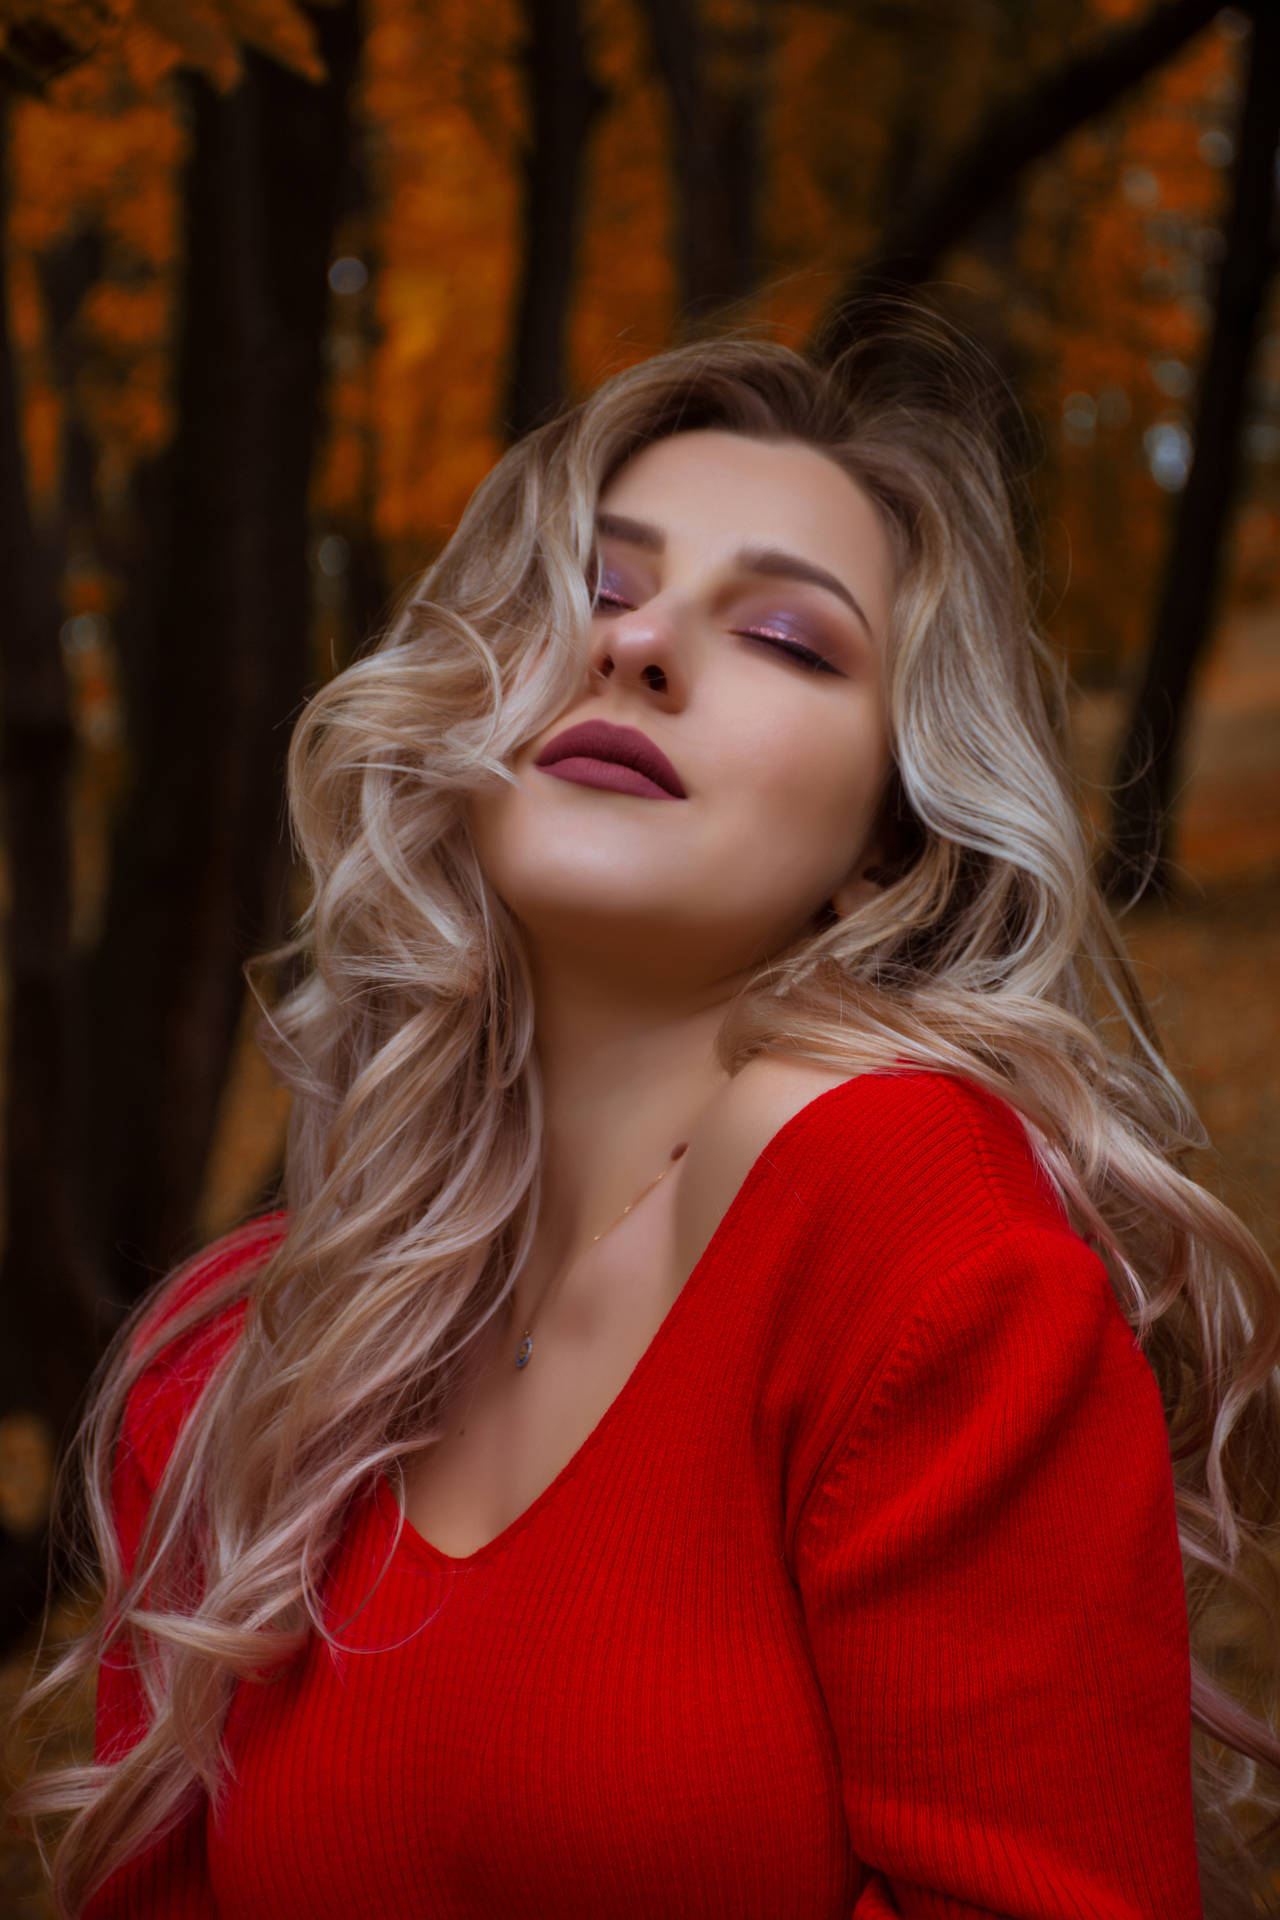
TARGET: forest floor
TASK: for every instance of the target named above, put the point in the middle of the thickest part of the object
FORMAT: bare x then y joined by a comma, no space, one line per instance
1208,960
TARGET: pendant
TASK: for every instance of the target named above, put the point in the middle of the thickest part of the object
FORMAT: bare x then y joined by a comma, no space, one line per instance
526,1348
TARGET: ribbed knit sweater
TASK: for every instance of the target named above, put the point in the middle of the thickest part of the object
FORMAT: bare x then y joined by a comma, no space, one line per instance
864,1598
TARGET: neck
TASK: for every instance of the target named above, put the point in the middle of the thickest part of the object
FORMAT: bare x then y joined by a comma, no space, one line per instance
624,1079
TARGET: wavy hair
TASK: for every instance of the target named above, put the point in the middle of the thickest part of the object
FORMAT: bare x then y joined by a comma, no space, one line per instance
406,1037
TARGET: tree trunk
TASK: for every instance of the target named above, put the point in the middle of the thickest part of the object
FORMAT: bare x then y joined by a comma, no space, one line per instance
1147,764
49,1330
216,665
46,1289
940,214
715,86
564,99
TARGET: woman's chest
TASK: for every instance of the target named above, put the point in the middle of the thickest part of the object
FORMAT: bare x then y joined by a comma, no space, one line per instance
613,1714
512,1429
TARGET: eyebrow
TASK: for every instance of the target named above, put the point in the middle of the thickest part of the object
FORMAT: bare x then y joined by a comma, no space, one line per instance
772,561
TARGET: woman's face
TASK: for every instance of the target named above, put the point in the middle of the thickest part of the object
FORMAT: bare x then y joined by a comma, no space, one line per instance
726,565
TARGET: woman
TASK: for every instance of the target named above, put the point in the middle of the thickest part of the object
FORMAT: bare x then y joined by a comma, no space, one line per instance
721,1424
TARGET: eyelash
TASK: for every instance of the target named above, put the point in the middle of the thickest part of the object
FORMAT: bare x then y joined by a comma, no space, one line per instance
804,657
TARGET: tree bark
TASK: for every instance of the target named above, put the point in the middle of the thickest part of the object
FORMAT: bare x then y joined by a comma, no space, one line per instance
1147,764
47,1339
715,89
564,100
217,663
49,1327
941,212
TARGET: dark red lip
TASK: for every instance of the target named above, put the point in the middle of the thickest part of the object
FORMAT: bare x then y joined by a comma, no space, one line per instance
627,746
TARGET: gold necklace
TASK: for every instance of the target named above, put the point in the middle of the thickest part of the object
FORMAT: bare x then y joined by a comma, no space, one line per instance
526,1345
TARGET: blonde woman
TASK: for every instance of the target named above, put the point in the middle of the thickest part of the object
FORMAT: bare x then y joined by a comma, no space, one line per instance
742,1406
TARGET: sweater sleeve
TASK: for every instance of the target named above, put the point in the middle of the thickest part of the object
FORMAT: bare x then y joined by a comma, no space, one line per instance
121,1716
992,1586
168,1880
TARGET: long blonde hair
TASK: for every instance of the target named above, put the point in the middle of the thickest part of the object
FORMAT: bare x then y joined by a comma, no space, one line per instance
412,1180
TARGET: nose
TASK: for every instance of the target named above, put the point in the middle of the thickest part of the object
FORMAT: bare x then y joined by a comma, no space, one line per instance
638,645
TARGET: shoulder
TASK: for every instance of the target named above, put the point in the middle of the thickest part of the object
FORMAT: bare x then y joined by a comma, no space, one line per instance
186,1327
200,1281
737,1128
916,1154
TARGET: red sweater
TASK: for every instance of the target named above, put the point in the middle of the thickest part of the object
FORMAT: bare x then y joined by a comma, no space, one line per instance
864,1598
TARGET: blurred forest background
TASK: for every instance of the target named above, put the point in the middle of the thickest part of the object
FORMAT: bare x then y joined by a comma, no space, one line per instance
279,282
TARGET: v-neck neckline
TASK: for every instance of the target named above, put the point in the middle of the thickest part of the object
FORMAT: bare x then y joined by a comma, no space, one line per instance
417,1547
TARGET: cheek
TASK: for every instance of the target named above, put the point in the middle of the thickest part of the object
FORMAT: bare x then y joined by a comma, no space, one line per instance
819,782
492,822
827,799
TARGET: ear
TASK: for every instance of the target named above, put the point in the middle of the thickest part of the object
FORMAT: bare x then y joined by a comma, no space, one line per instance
855,892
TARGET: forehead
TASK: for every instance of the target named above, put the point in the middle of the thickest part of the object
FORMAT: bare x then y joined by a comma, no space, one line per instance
728,489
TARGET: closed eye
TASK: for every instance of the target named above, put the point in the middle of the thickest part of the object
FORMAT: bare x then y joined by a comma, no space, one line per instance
803,656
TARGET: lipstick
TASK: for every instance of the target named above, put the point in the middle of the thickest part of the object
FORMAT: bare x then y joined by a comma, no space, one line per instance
595,752
610,774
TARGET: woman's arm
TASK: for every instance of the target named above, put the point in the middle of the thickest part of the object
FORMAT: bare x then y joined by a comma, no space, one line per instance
159,1404
992,1584
168,1880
